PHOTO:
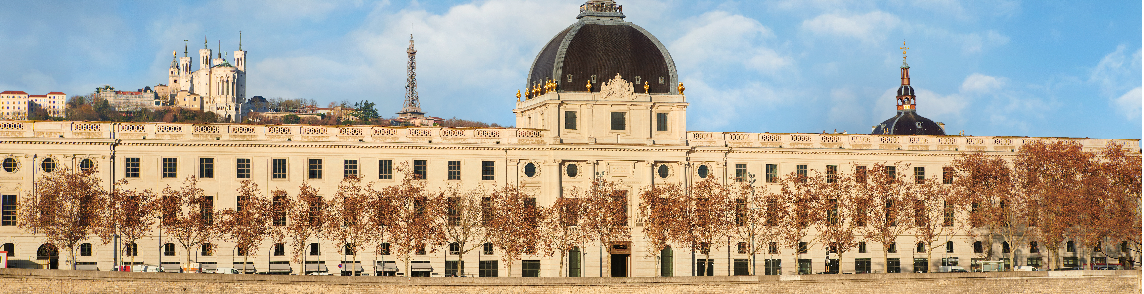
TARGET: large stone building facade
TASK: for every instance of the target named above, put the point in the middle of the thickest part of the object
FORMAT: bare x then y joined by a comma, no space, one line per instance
16,105
603,99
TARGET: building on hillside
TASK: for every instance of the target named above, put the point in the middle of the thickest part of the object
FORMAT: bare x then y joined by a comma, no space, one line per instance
602,99
216,86
128,100
16,105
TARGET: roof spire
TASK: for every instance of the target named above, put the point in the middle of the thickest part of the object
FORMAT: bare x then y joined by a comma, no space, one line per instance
239,40
905,97
904,48
185,48
205,44
412,107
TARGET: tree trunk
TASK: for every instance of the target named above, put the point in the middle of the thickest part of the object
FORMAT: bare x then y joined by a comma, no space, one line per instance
560,271
886,260
245,258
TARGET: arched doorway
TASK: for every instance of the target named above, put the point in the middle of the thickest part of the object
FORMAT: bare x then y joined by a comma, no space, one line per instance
48,252
666,262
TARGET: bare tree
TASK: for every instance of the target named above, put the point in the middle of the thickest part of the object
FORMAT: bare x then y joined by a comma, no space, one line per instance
130,214
839,228
605,215
515,226
561,228
248,223
65,206
885,195
349,224
659,213
188,215
414,224
307,217
463,222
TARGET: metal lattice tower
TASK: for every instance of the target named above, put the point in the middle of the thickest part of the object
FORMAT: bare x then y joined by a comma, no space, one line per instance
412,107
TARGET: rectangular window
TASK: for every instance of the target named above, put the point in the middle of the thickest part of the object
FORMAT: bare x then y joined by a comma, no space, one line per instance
741,267
242,168
85,249
169,249
278,202
772,173
801,171
804,266
487,249
420,169
773,267
860,174
831,174
8,210
740,172
947,175
947,215
385,169
132,167
454,169
350,168
893,265
661,122
488,170
279,249
773,248
893,248
384,249
170,166
488,268
921,265
892,173
862,265
802,248
279,168
919,175
314,249
206,168
569,120
619,122
314,168
207,249
206,208
861,247
530,268
451,267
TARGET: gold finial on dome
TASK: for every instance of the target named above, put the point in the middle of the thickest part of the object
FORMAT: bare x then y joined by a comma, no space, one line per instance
589,86
681,88
646,87
904,48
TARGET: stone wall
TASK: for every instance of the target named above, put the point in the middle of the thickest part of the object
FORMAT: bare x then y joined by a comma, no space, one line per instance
46,281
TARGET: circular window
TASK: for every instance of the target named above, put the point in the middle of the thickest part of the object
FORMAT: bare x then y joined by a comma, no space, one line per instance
530,170
11,165
86,165
703,171
48,165
572,170
663,171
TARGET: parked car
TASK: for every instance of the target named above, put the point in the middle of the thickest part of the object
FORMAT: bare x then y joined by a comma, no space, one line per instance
1105,267
951,269
226,271
1025,268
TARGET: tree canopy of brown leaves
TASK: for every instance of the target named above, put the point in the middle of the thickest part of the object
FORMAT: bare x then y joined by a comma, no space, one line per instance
889,209
561,228
515,225
463,221
248,224
348,224
307,219
412,222
129,214
66,206
660,212
605,214
188,215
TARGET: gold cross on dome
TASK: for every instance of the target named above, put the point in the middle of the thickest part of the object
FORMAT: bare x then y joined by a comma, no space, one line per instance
904,48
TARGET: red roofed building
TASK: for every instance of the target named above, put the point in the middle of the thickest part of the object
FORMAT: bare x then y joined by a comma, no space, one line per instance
15,105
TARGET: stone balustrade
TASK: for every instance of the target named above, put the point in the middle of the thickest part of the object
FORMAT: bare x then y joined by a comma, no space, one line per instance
884,142
297,133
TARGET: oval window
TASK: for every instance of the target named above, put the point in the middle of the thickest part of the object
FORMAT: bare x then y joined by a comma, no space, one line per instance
663,171
11,165
572,170
703,171
48,165
86,165
530,170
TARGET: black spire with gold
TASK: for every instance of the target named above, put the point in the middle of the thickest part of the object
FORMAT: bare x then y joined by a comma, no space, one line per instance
907,121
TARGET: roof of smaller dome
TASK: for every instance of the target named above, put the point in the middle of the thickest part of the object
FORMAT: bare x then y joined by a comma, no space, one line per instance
905,90
908,122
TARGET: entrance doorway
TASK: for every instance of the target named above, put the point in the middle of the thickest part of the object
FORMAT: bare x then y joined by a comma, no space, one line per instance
48,252
620,265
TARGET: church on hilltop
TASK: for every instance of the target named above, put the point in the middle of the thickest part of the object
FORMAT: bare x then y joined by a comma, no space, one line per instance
216,86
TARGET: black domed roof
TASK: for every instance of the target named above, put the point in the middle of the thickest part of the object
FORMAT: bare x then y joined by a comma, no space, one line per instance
905,90
908,122
604,47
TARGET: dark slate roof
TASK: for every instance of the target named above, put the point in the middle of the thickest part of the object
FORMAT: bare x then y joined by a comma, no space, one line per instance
603,49
908,122
905,90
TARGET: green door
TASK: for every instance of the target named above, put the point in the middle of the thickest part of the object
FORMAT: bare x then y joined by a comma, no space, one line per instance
667,265
574,262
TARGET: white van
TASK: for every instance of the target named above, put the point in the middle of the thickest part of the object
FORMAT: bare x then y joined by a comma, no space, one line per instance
226,271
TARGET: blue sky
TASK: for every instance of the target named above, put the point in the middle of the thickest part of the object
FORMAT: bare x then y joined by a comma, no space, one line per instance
990,68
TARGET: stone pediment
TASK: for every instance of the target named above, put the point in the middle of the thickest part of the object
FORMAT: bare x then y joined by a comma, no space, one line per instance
618,89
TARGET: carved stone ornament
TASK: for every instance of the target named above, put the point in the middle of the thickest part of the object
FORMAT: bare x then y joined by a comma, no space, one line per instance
618,89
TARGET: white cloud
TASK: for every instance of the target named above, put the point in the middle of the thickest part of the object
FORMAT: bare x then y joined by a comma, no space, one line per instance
1129,103
869,28
979,83
719,39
